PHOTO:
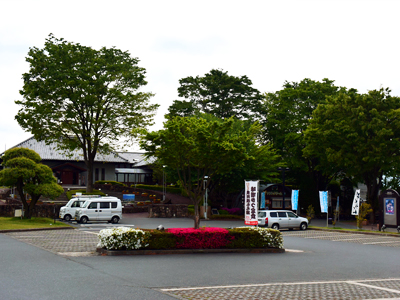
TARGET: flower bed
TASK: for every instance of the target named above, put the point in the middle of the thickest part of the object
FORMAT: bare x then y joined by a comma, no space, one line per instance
122,238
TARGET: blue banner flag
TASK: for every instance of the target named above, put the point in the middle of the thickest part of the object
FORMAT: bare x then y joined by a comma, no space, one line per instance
323,200
262,205
295,199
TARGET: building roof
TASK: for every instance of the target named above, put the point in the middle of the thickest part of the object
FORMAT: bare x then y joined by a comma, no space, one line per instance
50,152
137,158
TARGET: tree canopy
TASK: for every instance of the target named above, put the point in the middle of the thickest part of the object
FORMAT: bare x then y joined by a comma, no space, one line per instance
218,94
196,147
287,114
359,133
82,98
25,172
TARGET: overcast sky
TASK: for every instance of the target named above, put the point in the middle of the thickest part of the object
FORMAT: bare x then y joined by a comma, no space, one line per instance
355,43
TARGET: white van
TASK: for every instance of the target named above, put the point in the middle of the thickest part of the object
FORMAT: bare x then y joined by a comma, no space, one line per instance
100,209
67,212
277,219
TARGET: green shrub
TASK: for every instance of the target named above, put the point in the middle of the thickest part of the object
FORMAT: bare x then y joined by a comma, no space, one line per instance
191,209
222,212
172,190
112,182
161,240
83,191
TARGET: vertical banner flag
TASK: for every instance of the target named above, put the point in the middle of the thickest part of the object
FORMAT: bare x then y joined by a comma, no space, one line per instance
356,203
262,205
323,201
295,199
251,203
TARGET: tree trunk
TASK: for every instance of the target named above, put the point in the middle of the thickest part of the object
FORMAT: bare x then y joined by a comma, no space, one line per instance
196,215
89,183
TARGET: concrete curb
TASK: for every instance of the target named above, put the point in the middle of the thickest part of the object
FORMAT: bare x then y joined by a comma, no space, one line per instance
106,252
357,232
36,229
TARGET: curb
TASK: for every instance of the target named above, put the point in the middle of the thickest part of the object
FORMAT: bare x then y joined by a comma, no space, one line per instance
36,229
105,252
357,232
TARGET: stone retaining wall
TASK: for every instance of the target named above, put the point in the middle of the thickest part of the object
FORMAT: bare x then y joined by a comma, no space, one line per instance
168,211
40,210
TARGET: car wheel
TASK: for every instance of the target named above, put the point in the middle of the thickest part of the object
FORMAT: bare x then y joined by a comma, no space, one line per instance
67,218
275,226
84,220
303,226
115,220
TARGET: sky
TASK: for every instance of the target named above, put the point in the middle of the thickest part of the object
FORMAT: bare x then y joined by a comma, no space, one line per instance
354,42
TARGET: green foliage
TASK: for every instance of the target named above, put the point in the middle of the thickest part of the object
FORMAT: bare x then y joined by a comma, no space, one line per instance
112,182
358,134
24,171
172,190
246,238
365,209
310,213
218,94
82,98
287,113
222,212
83,191
196,148
161,240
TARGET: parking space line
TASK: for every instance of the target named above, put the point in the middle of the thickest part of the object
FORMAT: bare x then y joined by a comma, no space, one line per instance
385,242
374,287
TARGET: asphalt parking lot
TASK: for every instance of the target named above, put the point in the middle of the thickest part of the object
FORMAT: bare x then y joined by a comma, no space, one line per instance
81,244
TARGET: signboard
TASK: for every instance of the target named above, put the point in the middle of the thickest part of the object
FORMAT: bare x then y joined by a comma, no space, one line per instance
389,206
295,199
251,203
356,203
128,197
262,205
323,201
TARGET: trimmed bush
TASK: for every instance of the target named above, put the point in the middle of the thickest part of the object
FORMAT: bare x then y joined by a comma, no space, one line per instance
123,238
112,182
83,191
203,238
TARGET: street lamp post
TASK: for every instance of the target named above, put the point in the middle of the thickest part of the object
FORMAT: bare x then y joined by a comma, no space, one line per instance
164,183
206,196
283,170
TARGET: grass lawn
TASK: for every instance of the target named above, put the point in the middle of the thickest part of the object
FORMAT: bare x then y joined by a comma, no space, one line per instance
7,223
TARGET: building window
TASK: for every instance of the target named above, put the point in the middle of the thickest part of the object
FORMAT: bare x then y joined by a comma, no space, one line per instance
103,174
96,174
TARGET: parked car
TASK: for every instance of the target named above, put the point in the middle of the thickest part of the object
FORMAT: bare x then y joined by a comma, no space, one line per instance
67,212
100,209
277,219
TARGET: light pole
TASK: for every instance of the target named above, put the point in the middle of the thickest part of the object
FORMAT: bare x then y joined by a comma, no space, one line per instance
164,190
283,170
206,200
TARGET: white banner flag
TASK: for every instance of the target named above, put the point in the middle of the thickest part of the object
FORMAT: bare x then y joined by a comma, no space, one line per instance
356,203
251,203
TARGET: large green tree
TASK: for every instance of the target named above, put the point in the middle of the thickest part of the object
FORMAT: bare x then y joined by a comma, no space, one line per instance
24,171
196,147
360,134
218,94
287,114
82,98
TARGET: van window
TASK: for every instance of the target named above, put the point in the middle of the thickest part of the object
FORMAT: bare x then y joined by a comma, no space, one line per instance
104,204
273,214
262,214
93,205
77,204
291,215
114,204
282,214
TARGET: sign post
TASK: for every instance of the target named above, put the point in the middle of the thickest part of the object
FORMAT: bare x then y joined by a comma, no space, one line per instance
251,203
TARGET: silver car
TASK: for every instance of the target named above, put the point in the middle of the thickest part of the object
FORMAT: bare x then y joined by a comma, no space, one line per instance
277,219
